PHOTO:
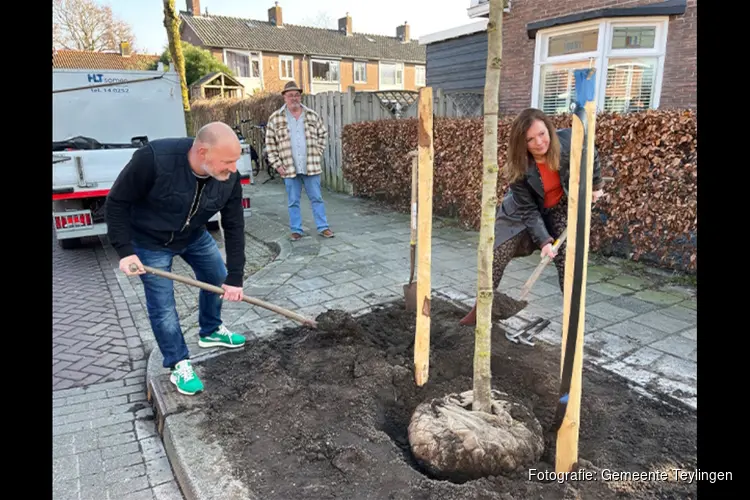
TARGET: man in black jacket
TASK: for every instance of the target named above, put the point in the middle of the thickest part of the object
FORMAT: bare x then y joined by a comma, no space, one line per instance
158,208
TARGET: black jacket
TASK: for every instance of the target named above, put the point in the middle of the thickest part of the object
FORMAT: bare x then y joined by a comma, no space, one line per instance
149,205
523,204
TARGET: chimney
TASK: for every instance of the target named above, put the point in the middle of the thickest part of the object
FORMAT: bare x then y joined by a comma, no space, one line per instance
274,15
402,32
193,7
345,24
125,49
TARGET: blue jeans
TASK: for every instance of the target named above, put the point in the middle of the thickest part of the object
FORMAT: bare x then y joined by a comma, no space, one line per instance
203,256
293,195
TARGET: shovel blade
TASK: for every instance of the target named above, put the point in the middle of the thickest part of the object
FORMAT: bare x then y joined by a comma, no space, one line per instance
410,297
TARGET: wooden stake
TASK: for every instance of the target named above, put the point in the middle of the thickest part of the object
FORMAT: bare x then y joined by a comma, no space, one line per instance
424,238
568,433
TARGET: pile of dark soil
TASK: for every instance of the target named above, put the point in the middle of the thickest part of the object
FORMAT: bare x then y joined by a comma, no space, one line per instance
504,307
319,414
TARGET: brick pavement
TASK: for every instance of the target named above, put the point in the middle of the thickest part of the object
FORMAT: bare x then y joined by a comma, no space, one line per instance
105,444
93,339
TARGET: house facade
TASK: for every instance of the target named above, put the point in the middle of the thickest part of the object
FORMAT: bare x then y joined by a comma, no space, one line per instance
644,53
265,54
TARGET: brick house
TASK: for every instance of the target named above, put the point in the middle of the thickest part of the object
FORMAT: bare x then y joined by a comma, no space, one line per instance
644,51
87,59
265,54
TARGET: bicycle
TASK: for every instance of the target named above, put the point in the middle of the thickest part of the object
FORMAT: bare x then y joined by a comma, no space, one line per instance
253,153
272,173
254,157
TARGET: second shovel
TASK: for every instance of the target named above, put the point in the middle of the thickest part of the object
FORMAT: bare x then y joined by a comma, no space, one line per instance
410,289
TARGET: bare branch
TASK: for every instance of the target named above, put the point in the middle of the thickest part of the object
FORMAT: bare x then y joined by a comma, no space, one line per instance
86,25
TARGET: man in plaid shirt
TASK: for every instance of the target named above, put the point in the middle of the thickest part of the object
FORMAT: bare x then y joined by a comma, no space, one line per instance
295,139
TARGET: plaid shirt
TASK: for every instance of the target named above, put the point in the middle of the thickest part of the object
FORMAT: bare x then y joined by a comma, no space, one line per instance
279,144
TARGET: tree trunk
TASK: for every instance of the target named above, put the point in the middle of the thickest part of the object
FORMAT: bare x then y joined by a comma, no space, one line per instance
483,339
172,24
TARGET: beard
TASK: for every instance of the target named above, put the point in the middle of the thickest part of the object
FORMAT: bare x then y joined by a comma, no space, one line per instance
219,177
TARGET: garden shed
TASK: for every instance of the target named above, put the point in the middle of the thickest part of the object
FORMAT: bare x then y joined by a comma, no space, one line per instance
216,84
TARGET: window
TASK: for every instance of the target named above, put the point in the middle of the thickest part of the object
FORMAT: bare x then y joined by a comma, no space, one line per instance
286,67
360,72
243,64
628,56
419,76
325,71
391,74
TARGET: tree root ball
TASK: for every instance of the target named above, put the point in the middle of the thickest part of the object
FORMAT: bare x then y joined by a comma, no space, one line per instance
453,442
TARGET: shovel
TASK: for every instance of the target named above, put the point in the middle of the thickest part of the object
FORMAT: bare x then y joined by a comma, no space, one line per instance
546,260
410,289
218,290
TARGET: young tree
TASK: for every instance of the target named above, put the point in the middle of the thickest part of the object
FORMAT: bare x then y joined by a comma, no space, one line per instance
85,25
483,331
496,435
172,24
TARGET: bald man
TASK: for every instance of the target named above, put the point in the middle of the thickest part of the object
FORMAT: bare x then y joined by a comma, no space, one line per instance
157,209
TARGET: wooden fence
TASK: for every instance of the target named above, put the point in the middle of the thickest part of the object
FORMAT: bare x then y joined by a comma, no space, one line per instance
338,109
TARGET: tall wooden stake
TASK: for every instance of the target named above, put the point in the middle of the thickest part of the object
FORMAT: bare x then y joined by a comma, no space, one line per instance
483,333
576,264
424,238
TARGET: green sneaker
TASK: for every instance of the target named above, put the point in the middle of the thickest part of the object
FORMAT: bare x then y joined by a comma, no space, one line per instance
222,338
185,378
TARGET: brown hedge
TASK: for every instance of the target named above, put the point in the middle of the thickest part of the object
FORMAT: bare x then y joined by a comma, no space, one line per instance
257,108
650,212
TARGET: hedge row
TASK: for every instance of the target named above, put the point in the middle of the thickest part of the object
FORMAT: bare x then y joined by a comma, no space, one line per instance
257,108
650,212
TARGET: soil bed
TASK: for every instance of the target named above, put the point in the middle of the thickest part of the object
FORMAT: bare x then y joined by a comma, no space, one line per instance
324,414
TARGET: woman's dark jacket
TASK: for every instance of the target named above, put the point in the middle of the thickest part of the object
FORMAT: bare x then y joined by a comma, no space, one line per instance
523,204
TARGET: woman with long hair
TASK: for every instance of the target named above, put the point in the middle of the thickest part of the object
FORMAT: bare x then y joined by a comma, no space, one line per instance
534,210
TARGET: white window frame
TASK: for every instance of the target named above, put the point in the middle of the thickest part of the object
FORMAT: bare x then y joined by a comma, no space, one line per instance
399,68
599,59
363,65
327,61
286,60
417,81
251,56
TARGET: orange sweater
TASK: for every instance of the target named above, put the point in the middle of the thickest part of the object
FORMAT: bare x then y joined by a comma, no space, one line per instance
553,190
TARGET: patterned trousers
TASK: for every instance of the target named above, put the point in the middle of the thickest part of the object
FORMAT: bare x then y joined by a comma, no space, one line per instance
521,245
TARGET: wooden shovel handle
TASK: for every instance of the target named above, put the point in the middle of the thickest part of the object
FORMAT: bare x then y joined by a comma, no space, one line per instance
540,267
545,260
218,290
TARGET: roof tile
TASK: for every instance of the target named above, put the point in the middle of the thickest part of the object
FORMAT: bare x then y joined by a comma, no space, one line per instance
84,59
251,34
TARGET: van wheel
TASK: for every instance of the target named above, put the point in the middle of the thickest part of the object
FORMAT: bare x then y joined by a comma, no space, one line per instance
70,243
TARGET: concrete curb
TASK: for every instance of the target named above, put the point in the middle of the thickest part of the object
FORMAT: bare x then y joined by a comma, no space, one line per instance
199,468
